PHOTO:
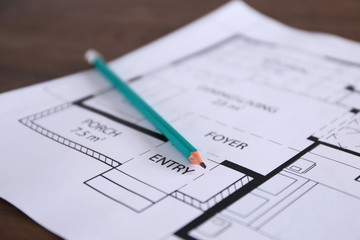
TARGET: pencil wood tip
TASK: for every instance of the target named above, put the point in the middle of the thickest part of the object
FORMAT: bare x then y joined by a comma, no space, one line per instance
196,158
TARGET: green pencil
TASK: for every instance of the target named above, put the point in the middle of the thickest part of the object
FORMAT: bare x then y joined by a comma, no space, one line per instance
188,150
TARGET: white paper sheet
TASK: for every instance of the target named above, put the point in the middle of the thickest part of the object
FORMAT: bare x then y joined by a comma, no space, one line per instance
273,110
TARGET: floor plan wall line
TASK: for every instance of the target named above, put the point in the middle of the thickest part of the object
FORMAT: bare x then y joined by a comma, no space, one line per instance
184,232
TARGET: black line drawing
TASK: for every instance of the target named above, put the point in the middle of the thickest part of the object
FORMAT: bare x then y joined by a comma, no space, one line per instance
29,122
205,205
301,166
342,133
336,135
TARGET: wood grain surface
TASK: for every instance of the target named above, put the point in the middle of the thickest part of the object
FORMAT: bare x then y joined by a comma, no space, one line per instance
45,39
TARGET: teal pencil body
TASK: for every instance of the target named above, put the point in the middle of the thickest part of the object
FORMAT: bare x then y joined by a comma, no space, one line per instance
164,127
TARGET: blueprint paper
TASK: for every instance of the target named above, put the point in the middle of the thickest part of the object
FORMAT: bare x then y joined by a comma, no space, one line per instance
274,111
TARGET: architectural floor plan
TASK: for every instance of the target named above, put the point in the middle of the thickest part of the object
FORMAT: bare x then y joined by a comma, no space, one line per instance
278,127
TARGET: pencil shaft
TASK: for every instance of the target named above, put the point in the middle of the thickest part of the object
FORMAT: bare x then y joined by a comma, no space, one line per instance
169,132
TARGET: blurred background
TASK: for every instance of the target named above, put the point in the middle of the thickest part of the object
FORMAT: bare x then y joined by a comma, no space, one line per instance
45,39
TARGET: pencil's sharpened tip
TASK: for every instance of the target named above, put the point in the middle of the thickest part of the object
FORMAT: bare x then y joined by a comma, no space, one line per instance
91,55
195,157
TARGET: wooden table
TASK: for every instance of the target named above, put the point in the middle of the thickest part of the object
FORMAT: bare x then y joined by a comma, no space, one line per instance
46,39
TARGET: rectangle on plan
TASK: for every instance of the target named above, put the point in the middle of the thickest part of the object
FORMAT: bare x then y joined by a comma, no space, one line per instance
324,212
136,186
277,184
119,193
247,205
